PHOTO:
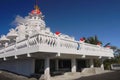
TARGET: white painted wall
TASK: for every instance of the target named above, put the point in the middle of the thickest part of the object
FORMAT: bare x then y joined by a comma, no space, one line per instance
22,66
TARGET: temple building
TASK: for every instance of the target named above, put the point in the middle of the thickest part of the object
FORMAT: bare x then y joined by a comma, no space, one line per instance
31,48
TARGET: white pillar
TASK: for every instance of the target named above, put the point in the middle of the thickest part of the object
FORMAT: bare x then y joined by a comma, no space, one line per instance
102,65
47,69
73,65
57,65
91,63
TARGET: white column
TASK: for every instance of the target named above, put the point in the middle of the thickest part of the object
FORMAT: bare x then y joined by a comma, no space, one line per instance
47,69
58,45
91,63
73,65
102,65
57,65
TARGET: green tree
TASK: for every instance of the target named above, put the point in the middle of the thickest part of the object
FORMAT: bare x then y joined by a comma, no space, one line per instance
115,60
93,40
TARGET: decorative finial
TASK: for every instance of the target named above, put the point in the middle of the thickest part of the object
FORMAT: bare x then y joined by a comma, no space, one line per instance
36,5
36,9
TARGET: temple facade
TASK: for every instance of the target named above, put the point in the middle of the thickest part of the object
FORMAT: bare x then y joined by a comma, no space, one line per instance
31,48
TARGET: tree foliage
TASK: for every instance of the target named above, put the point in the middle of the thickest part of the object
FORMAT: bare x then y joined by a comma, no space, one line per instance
93,40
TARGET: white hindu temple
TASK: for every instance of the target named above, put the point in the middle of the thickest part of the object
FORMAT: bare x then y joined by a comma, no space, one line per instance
31,48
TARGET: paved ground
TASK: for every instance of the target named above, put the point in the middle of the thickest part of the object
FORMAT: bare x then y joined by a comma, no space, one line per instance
114,75
104,76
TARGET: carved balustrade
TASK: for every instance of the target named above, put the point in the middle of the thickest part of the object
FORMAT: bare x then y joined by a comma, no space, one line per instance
56,44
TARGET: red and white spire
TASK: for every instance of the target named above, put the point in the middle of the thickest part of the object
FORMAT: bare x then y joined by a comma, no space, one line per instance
36,9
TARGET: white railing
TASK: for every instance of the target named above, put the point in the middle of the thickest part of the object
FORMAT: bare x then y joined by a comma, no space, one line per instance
50,43
68,46
89,49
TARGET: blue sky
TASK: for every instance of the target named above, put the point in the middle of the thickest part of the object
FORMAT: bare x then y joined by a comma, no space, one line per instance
78,18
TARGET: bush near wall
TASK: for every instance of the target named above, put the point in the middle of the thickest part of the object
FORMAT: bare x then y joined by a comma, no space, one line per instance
108,62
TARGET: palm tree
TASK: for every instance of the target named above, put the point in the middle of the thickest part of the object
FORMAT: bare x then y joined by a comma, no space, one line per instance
93,40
